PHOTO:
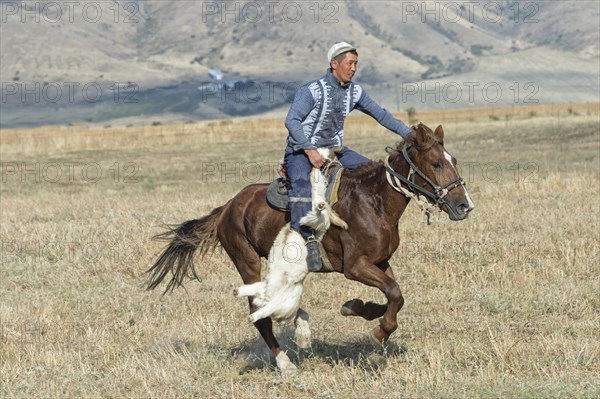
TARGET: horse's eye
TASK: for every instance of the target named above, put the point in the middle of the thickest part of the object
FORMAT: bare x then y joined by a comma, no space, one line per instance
436,165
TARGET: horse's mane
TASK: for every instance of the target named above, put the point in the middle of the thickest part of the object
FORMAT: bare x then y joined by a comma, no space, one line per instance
368,172
364,171
367,175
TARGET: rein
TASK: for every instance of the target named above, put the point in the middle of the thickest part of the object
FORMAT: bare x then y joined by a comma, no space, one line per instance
414,191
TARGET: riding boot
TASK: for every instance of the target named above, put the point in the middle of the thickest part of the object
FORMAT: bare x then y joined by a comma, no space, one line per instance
313,258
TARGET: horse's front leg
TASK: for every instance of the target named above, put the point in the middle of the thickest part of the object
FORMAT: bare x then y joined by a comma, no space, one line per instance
367,273
265,328
369,310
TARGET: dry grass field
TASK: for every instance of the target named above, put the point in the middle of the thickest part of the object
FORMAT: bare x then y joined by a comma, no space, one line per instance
504,304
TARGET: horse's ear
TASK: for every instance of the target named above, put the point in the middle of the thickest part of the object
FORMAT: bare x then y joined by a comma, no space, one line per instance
439,133
423,137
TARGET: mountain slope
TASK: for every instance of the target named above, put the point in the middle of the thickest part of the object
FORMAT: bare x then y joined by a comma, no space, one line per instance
173,45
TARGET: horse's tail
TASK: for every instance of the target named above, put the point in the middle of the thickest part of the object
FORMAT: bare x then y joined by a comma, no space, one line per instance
198,235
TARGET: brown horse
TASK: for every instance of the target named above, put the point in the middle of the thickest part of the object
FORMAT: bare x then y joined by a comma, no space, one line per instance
246,228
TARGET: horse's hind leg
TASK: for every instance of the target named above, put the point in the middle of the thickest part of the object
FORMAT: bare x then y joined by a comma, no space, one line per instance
247,262
265,328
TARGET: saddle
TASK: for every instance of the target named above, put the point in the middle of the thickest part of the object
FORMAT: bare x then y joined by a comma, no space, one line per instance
277,193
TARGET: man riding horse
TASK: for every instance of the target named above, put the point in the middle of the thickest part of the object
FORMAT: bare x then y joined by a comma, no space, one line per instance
316,120
372,199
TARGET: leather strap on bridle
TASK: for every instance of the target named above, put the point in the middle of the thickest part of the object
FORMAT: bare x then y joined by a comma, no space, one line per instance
395,181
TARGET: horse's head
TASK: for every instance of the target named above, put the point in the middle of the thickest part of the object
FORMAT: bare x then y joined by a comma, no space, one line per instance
434,173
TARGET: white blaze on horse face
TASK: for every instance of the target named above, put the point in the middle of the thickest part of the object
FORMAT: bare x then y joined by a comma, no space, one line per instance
469,201
449,159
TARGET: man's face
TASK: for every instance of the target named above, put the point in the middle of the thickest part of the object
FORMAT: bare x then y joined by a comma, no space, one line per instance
345,69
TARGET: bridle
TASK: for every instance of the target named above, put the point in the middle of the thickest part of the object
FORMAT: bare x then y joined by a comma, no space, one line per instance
414,191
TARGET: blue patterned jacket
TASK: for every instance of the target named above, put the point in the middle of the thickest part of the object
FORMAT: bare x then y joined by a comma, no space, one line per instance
316,117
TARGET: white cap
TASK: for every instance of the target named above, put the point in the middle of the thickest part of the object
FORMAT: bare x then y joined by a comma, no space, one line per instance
338,49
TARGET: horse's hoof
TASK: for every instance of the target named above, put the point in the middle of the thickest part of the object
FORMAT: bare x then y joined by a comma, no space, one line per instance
236,292
351,307
248,360
251,319
302,337
303,342
285,365
378,336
